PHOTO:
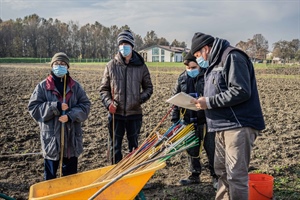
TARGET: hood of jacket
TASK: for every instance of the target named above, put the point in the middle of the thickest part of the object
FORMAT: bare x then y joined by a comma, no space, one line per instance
217,50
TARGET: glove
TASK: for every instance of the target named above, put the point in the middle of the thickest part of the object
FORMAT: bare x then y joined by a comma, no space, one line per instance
112,108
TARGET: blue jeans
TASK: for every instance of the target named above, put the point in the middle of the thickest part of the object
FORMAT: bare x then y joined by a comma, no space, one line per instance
69,166
131,126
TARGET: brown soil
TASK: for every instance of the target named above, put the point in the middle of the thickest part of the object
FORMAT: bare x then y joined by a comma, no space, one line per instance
276,150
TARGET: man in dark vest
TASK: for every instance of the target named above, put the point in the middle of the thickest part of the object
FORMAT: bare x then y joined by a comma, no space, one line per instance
232,107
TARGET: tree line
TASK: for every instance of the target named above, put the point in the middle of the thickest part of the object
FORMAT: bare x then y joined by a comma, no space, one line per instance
38,37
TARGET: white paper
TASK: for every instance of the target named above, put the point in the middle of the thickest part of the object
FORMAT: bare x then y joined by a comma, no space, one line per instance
183,100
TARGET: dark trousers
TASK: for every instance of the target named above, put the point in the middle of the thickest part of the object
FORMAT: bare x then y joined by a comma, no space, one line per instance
194,152
69,166
132,128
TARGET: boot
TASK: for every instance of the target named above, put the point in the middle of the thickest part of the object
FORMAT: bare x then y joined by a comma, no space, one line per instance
192,179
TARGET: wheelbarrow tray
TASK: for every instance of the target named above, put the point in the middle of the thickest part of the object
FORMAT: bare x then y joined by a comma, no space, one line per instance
82,186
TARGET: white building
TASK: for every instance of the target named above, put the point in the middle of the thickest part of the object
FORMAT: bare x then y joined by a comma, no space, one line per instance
159,53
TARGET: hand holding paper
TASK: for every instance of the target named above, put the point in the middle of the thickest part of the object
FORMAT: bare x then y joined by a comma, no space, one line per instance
200,103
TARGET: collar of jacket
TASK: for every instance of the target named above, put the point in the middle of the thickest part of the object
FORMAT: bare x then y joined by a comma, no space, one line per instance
50,85
135,60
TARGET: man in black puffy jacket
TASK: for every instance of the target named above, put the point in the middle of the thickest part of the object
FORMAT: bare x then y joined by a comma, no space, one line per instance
191,81
232,108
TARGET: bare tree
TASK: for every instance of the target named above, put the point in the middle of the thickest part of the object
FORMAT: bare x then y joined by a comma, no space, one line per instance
256,48
139,43
260,46
73,43
112,40
6,39
18,47
150,39
175,43
163,41
31,34
286,50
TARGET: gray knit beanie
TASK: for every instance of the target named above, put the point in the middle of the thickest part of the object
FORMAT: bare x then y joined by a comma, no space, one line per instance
60,57
199,41
126,36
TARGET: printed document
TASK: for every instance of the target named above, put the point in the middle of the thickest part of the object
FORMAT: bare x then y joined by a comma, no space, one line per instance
183,100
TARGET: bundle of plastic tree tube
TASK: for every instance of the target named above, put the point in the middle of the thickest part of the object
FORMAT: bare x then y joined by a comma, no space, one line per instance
159,144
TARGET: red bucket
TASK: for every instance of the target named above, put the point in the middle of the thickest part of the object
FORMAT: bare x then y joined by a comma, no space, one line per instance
260,187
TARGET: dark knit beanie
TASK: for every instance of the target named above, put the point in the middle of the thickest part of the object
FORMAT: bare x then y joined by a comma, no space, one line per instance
126,36
188,58
60,57
199,41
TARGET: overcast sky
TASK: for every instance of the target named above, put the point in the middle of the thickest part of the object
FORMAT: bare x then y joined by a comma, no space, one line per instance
234,20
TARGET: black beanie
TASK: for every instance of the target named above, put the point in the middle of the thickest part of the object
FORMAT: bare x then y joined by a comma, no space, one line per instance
199,41
188,58
60,57
126,36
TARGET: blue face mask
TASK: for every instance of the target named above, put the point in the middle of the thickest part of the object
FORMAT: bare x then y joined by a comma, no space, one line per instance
125,50
202,63
59,70
192,72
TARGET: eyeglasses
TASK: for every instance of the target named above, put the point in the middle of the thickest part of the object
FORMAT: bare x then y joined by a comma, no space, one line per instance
60,63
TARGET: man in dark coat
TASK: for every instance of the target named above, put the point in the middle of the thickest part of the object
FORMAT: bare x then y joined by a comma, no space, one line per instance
232,107
125,86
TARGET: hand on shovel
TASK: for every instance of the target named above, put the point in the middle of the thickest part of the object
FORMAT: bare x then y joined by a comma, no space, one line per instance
112,108
64,118
64,106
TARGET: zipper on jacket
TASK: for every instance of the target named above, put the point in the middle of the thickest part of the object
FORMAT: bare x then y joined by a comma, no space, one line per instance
125,85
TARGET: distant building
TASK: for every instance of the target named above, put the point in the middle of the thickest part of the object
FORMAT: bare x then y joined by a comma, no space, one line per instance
269,56
277,60
274,60
160,53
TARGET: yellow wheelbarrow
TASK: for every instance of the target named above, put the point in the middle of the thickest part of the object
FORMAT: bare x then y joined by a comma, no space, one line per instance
83,185
126,185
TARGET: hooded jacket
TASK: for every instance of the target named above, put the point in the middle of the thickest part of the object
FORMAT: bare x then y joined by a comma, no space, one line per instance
182,85
129,85
43,108
231,89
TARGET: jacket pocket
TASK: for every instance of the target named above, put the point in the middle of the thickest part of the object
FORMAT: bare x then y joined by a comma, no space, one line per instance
217,81
49,144
78,142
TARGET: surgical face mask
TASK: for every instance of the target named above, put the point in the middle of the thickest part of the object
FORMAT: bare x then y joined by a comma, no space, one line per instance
192,72
125,50
59,70
202,63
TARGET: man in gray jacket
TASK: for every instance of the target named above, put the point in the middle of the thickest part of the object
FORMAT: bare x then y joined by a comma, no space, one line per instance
232,108
126,84
55,102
